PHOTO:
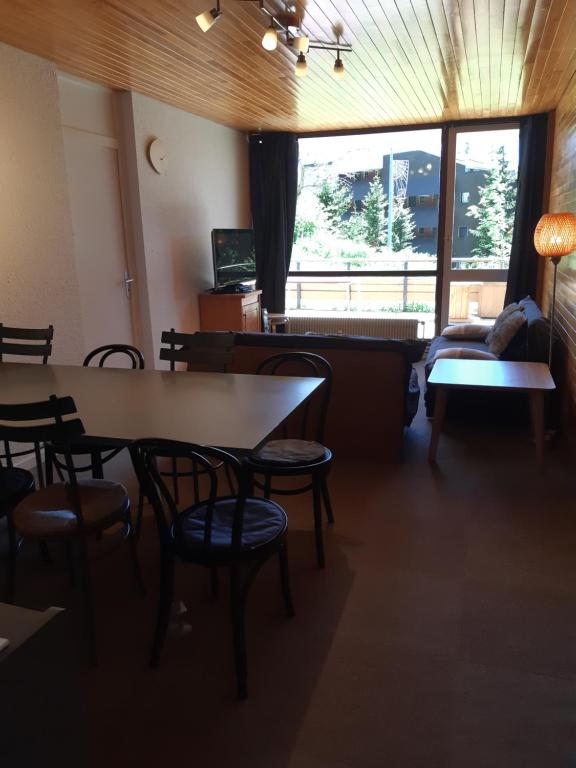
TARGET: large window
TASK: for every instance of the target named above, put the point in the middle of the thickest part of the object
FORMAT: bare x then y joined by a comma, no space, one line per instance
367,223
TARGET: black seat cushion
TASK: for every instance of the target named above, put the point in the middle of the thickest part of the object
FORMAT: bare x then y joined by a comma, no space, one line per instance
264,521
15,484
290,451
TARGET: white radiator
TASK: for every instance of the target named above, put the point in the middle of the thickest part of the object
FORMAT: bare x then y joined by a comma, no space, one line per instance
384,327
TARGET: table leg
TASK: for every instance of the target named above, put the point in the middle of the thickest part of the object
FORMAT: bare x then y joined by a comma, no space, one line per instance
439,411
537,413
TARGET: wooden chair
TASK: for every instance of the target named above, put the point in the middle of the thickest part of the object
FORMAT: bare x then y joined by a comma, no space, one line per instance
203,353
97,452
26,343
303,455
70,512
15,485
236,532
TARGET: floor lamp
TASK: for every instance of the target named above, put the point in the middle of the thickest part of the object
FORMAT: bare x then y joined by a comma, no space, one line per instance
554,237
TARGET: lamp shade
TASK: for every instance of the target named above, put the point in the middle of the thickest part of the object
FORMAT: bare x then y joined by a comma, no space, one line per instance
208,18
301,43
555,234
301,69
339,71
270,39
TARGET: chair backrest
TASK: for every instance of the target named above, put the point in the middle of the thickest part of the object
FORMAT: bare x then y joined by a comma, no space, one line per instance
11,342
43,422
201,351
101,354
312,420
148,456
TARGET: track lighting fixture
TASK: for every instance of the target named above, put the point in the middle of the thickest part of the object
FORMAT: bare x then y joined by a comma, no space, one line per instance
301,68
286,26
206,19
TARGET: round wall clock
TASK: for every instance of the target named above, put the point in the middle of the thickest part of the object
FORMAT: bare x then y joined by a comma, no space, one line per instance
157,156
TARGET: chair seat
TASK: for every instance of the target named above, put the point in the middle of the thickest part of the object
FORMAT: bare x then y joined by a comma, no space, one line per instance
264,522
47,512
291,451
15,484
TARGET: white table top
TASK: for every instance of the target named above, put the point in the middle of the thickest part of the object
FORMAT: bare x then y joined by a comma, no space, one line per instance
491,374
226,410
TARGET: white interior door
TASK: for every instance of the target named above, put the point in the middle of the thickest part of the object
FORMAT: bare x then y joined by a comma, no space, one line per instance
106,285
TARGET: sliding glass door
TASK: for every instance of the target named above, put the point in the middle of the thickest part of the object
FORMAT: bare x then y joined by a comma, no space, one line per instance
368,216
482,170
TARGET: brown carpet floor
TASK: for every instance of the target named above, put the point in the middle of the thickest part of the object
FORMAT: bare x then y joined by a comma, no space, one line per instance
442,633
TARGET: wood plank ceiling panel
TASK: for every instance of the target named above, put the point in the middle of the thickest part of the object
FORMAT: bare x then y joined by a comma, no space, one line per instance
413,61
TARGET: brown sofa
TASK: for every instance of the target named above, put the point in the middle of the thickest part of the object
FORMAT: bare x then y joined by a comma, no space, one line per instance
375,389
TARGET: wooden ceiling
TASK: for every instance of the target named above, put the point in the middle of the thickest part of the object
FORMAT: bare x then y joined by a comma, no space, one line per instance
413,61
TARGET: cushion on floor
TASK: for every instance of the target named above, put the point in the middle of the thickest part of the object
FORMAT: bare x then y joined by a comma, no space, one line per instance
290,451
47,512
264,521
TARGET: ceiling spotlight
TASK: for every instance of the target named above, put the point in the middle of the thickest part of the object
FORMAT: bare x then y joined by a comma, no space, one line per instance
208,18
270,39
301,69
301,44
339,71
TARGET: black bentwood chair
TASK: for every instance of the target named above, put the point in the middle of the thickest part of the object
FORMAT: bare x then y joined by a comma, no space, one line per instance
25,343
236,532
71,512
303,455
95,452
15,485
202,353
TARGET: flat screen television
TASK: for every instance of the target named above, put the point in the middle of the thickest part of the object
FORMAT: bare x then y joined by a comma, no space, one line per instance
234,257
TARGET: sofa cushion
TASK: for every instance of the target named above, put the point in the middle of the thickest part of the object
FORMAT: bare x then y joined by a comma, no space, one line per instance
504,331
466,331
463,353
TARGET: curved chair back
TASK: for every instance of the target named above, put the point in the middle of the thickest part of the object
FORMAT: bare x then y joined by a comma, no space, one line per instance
11,342
147,456
312,419
101,354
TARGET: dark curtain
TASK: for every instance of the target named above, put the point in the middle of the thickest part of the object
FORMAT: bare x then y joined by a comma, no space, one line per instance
273,192
523,269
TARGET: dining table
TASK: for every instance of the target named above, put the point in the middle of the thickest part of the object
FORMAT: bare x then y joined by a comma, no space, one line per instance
224,410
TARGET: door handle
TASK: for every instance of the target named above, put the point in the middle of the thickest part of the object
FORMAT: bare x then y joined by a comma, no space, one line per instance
127,283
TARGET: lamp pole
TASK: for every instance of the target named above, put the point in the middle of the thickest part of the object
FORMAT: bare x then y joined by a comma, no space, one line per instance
555,260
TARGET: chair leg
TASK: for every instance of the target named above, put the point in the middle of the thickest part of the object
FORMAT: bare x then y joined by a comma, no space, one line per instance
267,486
285,579
237,604
316,493
39,470
48,465
139,514
86,580
135,561
45,553
175,480
327,502
214,582
70,561
97,465
164,605
12,555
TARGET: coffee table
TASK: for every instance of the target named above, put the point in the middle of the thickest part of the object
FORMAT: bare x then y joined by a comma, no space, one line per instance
495,375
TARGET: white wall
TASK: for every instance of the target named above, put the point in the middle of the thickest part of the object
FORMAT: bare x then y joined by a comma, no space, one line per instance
38,282
205,186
